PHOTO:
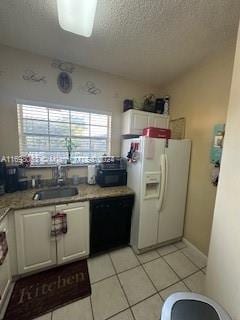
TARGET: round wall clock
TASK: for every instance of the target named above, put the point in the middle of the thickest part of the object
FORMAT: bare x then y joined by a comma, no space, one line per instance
64,82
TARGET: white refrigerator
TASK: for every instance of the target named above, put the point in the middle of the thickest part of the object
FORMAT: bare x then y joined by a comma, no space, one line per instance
159,177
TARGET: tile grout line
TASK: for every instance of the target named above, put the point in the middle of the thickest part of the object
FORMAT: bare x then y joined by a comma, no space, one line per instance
116,314
142,265
191,260
171,286
204,271
121,287
158,292
181,279
165,254
176,272
91,305
200,268
112,276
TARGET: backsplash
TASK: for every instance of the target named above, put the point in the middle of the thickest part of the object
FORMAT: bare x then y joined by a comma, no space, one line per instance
46,173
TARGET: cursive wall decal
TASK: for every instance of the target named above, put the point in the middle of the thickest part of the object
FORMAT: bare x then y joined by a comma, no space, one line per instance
90,88
63,66
30,75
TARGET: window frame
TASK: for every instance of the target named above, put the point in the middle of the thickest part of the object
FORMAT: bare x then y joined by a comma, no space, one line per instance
22,135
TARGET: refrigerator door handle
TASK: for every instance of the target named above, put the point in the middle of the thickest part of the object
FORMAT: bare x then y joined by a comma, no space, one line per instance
166,179
163,167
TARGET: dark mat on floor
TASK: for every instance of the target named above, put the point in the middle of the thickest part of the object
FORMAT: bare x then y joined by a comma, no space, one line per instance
41,293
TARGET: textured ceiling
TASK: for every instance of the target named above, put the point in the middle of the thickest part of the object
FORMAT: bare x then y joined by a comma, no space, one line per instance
148,40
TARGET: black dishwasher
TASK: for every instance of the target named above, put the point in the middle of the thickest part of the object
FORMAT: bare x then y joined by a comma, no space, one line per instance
110,223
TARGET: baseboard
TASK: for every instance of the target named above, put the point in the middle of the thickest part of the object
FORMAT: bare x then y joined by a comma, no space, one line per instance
189,244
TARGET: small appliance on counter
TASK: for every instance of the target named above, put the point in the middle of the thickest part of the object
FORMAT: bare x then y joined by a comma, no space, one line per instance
112,173
76,180
22,183
22,179
11,182
92,174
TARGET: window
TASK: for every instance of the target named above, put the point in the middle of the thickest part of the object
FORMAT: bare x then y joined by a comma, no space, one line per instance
43,132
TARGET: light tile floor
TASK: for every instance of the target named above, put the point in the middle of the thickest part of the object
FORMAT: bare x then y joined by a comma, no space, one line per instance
126,286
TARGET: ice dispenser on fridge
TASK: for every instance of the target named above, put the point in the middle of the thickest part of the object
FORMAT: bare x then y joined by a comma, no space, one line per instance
152,184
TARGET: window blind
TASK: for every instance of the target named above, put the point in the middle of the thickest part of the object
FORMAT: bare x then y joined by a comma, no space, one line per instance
43,132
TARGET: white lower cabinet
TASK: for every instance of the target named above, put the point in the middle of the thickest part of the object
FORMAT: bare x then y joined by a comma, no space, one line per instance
75,243
36,249
5,273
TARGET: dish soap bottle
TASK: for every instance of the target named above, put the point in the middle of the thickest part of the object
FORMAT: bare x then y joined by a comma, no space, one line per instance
166,106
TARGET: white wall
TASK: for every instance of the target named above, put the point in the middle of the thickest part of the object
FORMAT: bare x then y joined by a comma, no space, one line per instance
201,95
223,273
14,62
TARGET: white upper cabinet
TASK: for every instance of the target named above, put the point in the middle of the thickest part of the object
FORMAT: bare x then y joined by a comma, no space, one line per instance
134,121
75,243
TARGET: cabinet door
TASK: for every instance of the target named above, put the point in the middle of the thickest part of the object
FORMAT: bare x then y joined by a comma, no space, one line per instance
75,243
139,122
171,217
5,274
158,121
35,247
110,223
133,122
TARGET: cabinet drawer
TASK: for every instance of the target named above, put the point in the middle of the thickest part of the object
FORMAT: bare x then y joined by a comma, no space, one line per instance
71,205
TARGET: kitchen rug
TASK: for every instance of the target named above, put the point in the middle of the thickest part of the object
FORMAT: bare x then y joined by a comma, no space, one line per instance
43,292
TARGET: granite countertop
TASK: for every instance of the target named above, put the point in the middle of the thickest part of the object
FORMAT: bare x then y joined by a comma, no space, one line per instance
24,199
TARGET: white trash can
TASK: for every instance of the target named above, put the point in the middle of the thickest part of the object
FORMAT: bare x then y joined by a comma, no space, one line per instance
192,306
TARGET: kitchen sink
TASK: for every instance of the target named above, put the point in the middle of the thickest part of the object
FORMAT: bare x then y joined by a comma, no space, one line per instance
58,192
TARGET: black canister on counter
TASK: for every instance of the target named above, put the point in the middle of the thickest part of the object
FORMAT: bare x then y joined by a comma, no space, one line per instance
159,105
127,105
22,183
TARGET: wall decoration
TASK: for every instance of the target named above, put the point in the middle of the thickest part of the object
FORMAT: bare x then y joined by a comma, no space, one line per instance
64,82
63,66
177,127
90,88
217,143
33,76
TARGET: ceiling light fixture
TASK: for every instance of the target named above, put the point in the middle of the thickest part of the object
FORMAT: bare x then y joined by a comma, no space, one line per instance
77,16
